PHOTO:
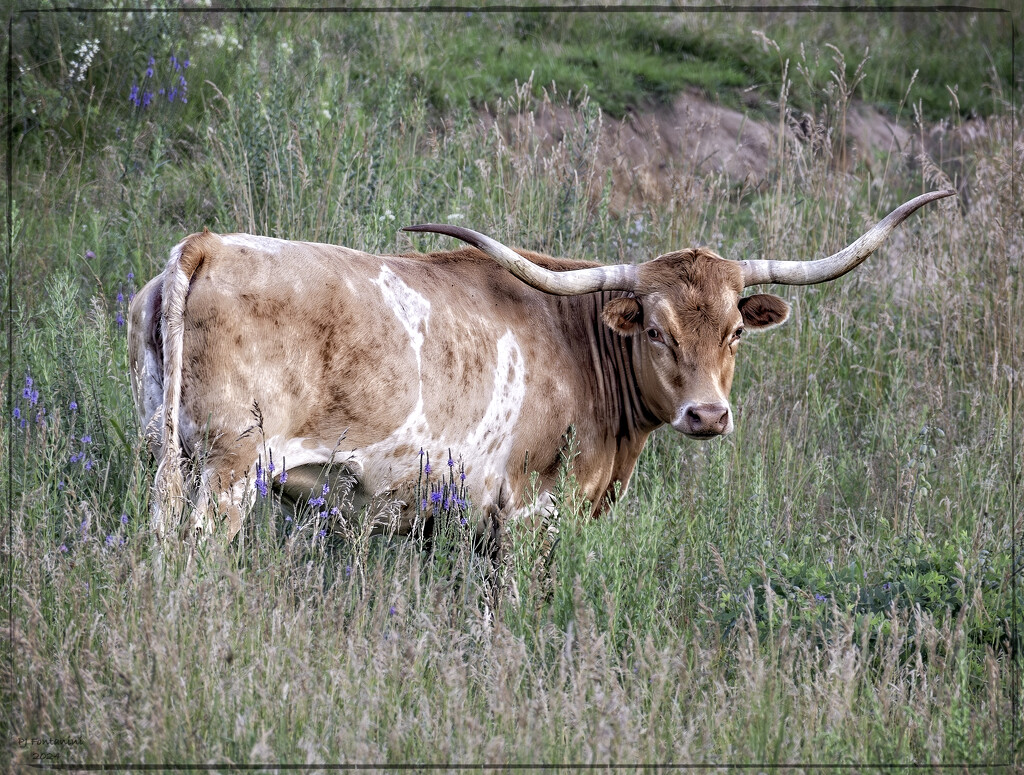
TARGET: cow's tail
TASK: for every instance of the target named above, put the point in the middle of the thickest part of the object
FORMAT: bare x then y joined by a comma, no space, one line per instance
169,484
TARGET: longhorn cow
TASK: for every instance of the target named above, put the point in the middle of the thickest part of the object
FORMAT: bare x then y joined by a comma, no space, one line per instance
362,362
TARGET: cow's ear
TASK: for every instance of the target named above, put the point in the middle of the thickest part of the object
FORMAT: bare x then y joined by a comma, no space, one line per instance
762,310
624,315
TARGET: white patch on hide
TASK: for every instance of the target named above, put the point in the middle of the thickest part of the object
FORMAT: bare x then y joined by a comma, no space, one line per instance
264,244
295,452
503,410
542,506
410,307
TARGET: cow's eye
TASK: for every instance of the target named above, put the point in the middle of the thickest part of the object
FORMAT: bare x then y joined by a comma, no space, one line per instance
654,335
736,336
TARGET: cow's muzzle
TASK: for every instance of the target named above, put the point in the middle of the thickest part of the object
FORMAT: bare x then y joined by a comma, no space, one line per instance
702,421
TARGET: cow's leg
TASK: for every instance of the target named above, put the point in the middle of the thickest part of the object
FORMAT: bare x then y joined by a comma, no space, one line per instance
224,497
487,541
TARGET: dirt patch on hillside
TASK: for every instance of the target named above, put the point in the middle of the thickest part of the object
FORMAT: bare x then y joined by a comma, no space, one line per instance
651,153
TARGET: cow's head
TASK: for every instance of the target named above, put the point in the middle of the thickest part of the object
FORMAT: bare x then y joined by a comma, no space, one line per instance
689,315
688,312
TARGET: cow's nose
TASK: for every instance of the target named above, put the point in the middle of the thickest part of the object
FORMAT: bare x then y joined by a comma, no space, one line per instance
704,420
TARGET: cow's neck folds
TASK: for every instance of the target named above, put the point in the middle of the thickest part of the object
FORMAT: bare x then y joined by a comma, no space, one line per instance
616,357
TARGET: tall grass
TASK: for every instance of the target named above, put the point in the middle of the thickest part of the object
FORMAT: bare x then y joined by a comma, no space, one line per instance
829,584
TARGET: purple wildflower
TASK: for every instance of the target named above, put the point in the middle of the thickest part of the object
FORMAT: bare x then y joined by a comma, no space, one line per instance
426,468
124,519
392,611
322,533
63,548
73,406
435,496
86,439
261,481
149,70
17,413
119,318
451,463
88,465
89,254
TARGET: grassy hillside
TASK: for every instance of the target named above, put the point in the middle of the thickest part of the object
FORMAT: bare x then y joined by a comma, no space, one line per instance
832,583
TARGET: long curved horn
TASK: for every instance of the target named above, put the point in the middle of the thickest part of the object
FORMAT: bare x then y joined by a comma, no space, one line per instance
620,277
825,269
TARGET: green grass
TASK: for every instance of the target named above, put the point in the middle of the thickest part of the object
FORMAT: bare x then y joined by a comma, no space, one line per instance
829,584
627,61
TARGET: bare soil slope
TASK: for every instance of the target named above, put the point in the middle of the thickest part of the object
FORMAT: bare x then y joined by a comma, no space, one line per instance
650,153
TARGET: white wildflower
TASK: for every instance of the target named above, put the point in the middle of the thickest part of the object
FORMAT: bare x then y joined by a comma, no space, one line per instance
84,54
